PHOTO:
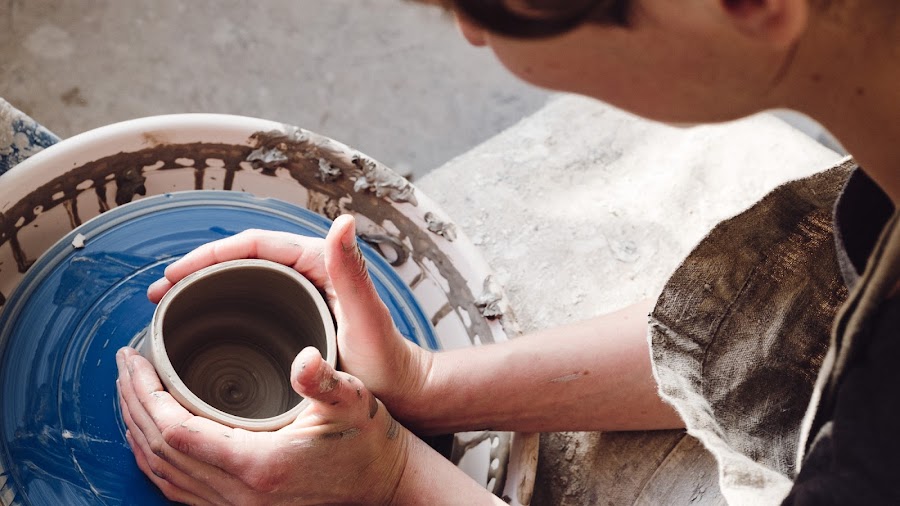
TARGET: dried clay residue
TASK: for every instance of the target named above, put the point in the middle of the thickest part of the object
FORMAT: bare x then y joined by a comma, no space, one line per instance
382,181
78,241
340,180
491,299
444,229
337,179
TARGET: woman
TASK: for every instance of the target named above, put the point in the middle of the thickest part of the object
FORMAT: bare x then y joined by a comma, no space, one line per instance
682,62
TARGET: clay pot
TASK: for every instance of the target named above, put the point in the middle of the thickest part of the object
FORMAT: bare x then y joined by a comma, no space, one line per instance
223,340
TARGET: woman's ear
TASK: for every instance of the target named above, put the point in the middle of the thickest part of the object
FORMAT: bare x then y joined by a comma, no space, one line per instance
471,31
778,23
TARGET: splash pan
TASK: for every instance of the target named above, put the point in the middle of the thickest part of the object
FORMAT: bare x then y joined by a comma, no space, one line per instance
75,262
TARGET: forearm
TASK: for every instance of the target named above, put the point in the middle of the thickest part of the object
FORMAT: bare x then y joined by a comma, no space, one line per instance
431,479
592,375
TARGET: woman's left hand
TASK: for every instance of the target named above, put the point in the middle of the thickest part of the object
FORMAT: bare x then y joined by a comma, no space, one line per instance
343,448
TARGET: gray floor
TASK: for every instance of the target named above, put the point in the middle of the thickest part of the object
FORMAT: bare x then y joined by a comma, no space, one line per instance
388,77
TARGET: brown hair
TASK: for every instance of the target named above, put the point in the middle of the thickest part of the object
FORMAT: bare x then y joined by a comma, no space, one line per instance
540,18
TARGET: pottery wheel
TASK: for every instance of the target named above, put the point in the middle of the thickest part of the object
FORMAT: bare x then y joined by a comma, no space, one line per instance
57,404
61,436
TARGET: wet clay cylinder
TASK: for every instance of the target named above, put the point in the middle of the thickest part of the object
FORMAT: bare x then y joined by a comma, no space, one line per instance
223,340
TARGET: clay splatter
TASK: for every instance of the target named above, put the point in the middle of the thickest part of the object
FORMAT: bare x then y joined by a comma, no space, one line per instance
444,229
490,301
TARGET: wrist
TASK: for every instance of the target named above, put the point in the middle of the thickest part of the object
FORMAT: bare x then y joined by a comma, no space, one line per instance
429,478
402,490
409,395
388,480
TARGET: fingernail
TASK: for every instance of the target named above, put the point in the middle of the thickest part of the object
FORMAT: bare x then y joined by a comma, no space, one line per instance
156,284
120,363
373,406
348,242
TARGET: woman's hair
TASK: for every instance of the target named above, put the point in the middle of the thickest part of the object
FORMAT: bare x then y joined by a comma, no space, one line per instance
541,18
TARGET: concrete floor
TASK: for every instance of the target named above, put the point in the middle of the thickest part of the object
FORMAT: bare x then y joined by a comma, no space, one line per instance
390,78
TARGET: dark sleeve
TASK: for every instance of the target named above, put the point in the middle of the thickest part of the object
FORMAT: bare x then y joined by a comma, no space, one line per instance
855,458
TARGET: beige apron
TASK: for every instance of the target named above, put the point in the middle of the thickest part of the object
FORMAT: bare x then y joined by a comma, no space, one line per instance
741,330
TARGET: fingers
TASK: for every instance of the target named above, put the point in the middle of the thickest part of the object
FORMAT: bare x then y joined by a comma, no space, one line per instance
158,288
149,414
158,471
160,409
358,308
172,491
299,252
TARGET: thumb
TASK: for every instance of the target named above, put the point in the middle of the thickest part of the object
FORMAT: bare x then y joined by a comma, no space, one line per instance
314,378
332,392
358,308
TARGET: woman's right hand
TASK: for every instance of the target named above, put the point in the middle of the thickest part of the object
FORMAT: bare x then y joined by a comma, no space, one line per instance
369,345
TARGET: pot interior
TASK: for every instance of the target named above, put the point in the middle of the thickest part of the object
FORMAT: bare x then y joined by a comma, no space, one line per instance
232,335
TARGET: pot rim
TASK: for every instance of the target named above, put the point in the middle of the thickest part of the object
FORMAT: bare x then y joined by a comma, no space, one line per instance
173,382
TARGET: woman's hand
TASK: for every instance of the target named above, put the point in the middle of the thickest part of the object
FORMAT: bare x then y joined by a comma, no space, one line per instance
343,448
369,345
